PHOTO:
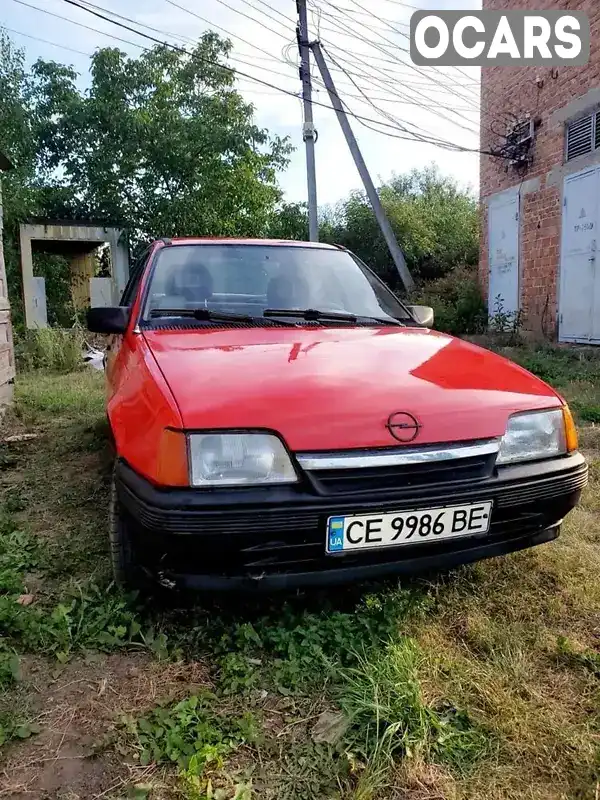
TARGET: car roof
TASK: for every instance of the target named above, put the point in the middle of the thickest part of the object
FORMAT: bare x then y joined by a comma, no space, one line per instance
263,242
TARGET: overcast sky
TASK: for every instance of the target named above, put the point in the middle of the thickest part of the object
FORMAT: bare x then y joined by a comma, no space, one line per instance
444,107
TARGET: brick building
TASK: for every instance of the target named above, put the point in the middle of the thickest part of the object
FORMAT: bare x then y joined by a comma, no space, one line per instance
541,202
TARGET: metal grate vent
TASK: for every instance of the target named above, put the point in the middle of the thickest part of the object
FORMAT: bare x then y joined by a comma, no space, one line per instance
580,137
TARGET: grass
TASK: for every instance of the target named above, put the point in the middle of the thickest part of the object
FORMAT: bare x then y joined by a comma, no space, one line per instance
481,684
55,349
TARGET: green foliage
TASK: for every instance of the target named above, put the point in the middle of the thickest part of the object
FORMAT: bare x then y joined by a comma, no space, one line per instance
558,365
192,735
289,221
382,697
56,271
294,650
162,144
71,394
85,617
435,221
12,727
52,349
10,671
457,302
586,411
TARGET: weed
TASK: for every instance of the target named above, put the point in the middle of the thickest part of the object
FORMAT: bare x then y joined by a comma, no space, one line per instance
85,617
13,727
193,736
10,671
300,649
52,349
382,697
457,302
41,396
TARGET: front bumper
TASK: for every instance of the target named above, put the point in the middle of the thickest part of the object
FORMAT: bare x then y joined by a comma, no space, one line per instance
274,538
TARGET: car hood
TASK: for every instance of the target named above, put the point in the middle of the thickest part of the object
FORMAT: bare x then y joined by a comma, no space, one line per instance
335,388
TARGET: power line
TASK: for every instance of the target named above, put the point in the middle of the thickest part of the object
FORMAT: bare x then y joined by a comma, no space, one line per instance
80,24
396,46
433,81
281,14
253,19
368,76
401,126
396,30
179,36
45,41
426,97
392,26
289,20
234,72
220,27
185,39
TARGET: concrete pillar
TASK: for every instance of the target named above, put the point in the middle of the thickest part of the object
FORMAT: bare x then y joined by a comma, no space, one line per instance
27,273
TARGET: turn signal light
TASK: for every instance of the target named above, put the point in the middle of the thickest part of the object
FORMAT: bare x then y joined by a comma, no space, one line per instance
172,460
570,430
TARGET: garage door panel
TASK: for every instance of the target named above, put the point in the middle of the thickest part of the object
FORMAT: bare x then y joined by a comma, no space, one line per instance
504,256
580,217
579,279
576,298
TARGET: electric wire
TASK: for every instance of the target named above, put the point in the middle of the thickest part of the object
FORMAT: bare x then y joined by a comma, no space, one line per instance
233,71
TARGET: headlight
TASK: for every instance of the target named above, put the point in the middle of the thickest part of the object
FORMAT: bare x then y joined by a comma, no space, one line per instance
539,434
239,459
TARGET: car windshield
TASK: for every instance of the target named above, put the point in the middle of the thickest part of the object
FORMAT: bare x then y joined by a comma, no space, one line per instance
249,279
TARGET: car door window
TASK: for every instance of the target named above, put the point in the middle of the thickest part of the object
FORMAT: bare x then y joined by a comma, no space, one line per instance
135,277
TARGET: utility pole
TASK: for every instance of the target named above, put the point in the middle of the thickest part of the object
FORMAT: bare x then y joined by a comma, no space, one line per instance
382,219
308,130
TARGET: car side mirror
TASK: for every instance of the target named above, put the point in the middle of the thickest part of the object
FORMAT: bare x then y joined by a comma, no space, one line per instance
424,315
108,319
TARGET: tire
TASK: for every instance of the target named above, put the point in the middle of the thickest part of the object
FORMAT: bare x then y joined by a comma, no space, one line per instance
127,573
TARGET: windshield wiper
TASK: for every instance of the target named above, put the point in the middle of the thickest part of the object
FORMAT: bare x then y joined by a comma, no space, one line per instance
314,315
209,315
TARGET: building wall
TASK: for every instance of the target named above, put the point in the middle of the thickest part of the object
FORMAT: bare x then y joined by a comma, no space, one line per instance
554,96
7,364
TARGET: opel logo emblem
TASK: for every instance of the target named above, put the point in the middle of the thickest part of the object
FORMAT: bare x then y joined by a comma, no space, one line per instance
403,427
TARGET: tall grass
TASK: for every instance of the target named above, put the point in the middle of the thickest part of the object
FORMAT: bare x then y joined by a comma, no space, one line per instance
51,349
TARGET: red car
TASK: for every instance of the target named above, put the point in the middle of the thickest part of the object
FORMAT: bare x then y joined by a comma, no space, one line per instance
281,419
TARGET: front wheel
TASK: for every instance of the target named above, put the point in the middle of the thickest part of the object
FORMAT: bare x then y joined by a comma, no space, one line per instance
127,573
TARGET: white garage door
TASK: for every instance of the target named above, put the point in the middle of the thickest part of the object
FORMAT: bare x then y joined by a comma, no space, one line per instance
503,256
579,301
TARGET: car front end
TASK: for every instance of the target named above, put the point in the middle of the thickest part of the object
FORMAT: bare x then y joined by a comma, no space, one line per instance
257,516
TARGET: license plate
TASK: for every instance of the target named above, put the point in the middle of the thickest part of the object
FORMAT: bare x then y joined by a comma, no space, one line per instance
367,531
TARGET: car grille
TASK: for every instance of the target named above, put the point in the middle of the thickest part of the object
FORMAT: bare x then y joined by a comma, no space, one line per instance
399,470
382,479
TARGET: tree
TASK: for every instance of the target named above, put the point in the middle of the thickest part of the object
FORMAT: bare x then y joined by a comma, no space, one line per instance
436,224
162,144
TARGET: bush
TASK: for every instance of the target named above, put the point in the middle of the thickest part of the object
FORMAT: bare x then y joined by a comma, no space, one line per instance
457,301
53,349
